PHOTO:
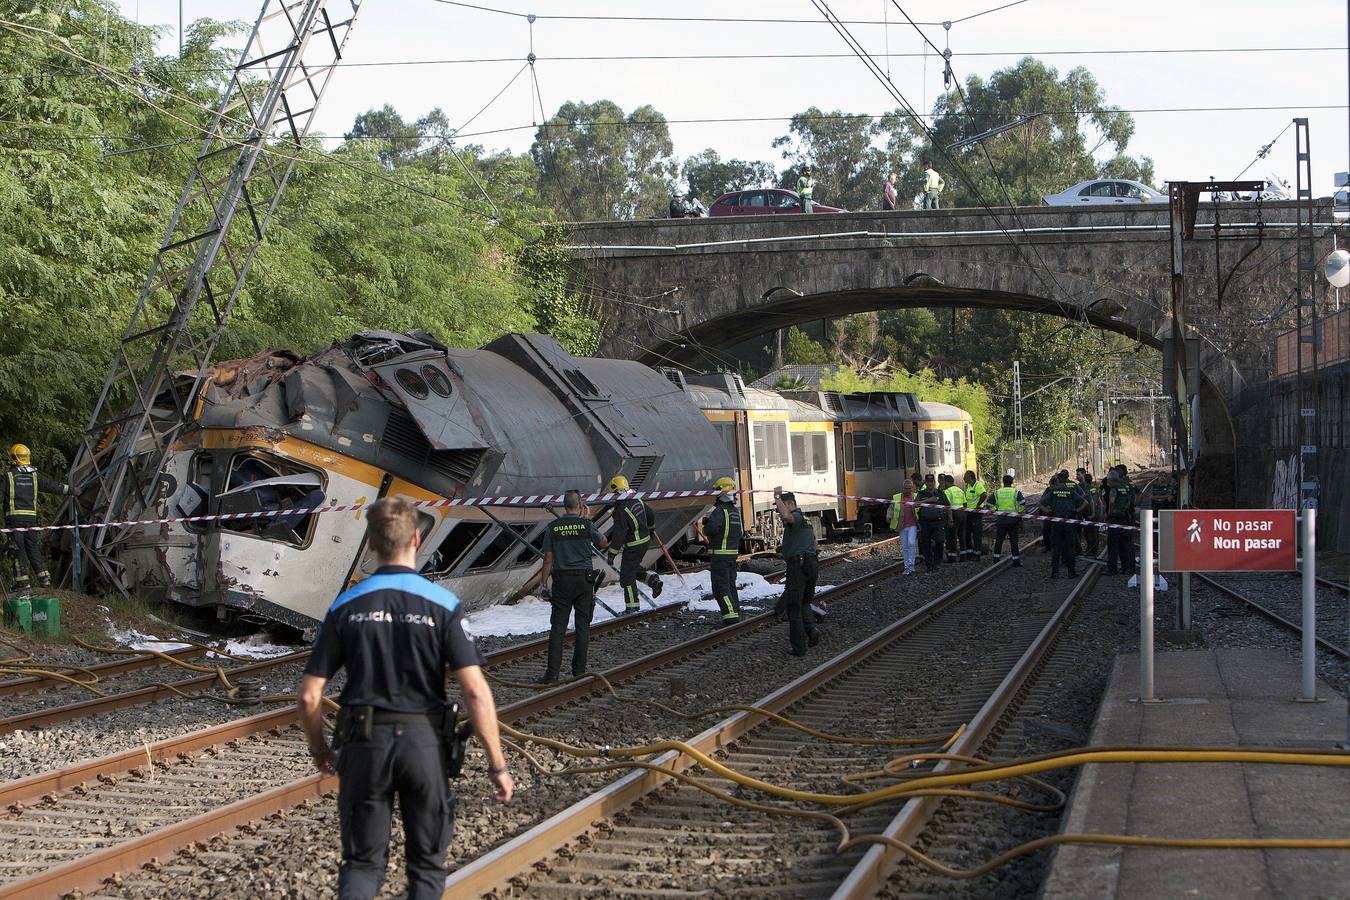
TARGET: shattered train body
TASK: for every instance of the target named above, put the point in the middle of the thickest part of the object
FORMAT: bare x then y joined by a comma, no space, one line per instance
387,414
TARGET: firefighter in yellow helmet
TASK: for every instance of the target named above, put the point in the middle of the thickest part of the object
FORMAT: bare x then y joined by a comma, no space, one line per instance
631,537
18,503
720,531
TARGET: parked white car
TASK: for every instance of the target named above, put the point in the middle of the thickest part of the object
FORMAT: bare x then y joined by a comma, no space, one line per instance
1107,190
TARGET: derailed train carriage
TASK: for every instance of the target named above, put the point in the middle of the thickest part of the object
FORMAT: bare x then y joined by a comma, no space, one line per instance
387,414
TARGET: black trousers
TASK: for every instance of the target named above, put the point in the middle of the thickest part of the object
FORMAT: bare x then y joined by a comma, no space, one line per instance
572,593
1089,544
1064,547
1011,529
1119,551
798,592
974,532
956,536
402,759
630,570
931,540
28,561
723,572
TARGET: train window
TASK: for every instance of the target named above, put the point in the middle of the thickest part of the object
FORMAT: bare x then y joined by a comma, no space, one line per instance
504,540
771,445
879,442
193,499
862,451
727,431
820,453
932,448
956,444
259,482
801,460
536,541
910,443
453,547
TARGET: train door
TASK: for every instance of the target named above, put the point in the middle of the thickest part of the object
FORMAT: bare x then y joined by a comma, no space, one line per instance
741,458
848,480
429,522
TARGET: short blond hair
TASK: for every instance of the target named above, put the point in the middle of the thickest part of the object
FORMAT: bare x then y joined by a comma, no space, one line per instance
390,526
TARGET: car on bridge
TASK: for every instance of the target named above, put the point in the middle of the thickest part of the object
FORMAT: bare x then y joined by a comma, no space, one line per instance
1105,191
764,202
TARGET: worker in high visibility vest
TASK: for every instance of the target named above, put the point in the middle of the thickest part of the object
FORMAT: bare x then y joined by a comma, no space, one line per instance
904,522
976,493
1008,500
956,529
631,536
19,505
720,530
806,188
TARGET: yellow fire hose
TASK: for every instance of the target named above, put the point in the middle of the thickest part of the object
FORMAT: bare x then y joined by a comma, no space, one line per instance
926,784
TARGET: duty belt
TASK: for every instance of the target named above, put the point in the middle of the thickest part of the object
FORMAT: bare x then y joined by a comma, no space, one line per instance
572,573
389,717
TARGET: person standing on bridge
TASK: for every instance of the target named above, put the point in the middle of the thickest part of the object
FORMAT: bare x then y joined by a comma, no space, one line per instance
805,188
932,185
888,196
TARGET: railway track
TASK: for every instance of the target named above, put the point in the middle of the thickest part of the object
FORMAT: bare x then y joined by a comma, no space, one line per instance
1283,606
75,827
13,686
41,716
655,837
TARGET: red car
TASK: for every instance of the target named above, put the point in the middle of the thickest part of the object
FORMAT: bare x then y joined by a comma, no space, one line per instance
765,202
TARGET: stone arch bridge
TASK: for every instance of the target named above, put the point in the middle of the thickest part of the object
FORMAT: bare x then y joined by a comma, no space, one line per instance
669,291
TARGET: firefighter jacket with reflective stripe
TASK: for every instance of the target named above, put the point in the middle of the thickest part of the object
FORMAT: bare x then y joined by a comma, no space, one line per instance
723,529
20,490
1008,499
974,493
632,523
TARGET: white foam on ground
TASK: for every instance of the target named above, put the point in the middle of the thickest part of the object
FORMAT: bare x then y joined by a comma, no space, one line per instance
257,646
135,640
531,615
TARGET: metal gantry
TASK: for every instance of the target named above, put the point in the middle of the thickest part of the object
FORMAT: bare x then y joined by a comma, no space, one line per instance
1306,383
247,154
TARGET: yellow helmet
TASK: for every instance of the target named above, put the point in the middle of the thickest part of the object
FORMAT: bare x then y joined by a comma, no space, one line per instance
19,455
617,483
724,484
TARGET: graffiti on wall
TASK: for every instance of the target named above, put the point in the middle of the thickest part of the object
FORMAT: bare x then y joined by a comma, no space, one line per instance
1285,486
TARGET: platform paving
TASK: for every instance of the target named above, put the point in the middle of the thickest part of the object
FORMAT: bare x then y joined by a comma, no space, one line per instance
1223,697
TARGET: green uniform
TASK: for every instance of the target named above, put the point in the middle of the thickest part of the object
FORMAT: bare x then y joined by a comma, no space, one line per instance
932,526
570,539
799,588
1063,500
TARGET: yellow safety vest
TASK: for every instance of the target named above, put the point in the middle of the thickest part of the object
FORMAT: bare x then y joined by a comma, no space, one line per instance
1005,500
897,511
956,496
972,494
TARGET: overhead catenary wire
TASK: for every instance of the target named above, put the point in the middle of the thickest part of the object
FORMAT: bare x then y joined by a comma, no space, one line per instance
701,19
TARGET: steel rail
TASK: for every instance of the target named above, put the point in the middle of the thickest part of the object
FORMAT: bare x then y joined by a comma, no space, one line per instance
116,667
1287,624
90,871
151,693
869,874
525,850
1333,585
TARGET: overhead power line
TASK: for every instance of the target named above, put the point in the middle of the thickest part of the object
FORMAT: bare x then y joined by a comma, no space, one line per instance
708,19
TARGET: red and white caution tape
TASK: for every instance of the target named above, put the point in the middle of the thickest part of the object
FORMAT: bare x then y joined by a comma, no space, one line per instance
526,501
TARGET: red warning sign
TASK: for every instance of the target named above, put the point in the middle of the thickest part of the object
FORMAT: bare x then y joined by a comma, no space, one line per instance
1227,540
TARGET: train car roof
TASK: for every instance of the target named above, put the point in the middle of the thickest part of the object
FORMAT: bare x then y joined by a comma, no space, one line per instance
942,412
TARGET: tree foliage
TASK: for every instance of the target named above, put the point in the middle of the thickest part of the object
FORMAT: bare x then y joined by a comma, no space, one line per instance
848,166
709,176
596,163
388,230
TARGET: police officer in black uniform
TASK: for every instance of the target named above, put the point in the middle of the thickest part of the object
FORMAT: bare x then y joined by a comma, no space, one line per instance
720,530
932,522
632,535
395,634
799,587
1065,499
18,503
567,563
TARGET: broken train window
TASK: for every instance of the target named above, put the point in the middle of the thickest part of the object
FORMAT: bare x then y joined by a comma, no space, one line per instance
263,482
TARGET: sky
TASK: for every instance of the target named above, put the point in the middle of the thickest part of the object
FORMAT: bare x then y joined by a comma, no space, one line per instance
1190,145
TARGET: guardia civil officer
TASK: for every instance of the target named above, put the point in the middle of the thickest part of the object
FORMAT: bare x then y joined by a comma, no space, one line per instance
1119,502
1064,499
1009,501
720,530
632,535
19,505
973,498
799,551
568,540
396,634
